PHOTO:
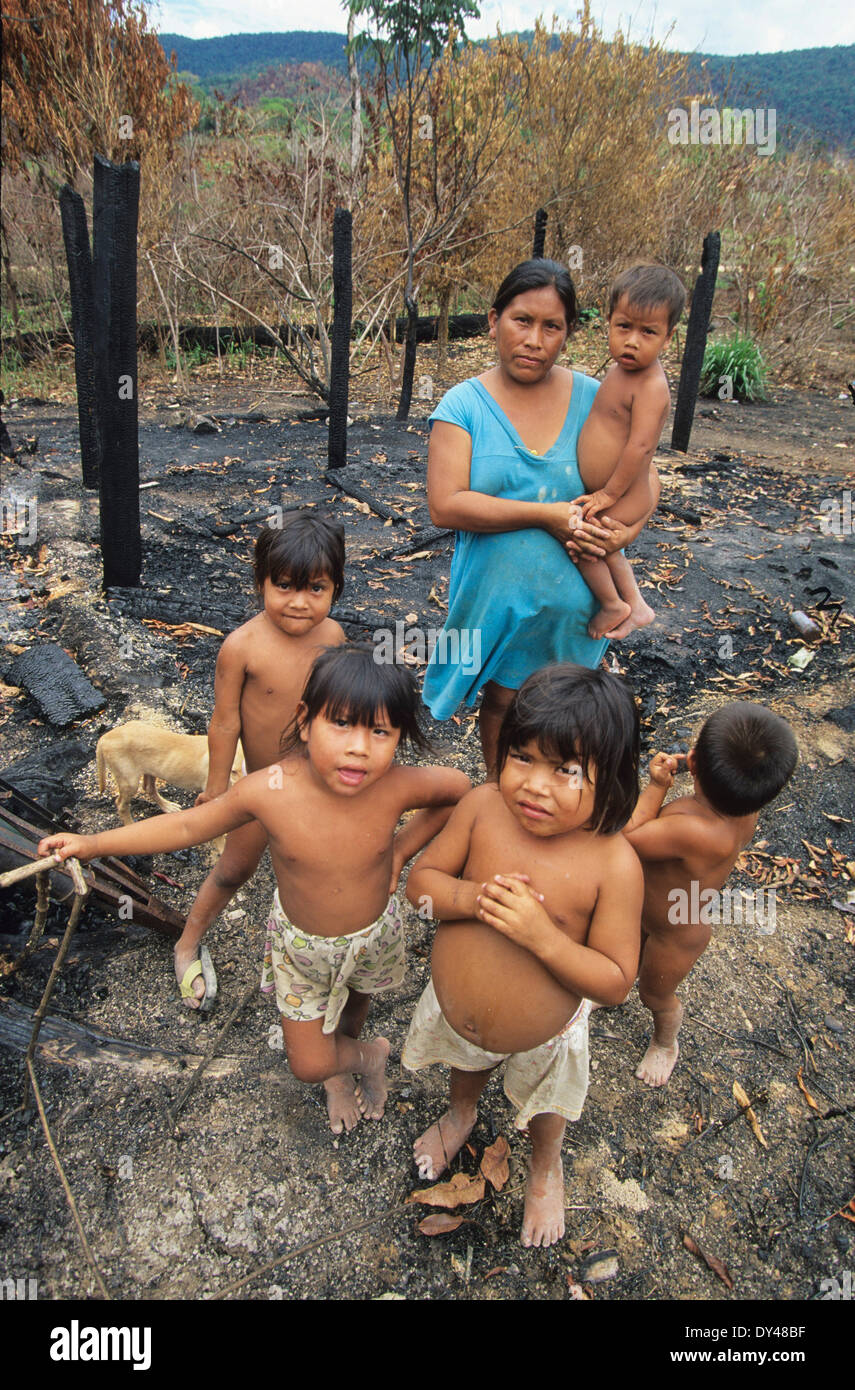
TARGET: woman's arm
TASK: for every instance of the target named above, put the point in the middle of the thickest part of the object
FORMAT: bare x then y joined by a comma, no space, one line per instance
452,502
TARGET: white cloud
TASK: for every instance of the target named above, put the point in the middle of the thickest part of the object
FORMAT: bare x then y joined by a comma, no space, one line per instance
728,27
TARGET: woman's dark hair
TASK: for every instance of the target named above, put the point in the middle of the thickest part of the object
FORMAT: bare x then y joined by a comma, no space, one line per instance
589,716
536,275
305,546
349,683
744,756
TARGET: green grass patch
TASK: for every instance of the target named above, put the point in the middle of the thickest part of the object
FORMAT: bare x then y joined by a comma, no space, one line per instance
734,366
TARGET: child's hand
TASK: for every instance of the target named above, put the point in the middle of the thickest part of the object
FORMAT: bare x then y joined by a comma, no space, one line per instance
204,797
593,502
511,905
664,768
69,846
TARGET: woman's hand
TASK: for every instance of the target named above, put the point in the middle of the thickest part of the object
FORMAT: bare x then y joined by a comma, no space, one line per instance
560,520
592,540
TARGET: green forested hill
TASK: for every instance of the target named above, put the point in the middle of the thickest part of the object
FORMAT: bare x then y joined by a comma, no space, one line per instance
811,89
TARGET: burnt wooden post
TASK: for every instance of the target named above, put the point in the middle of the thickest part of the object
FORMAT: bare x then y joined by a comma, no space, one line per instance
540,220
115,211
75,234
696,341
340,354
410,340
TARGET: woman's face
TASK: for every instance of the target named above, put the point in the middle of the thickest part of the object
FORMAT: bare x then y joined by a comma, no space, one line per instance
530,333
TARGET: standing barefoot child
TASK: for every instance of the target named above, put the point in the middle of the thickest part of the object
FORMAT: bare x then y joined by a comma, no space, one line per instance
744,756
261,670
538,899
330,811
620,435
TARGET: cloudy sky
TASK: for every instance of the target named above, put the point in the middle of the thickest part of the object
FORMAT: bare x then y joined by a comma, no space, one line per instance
727,26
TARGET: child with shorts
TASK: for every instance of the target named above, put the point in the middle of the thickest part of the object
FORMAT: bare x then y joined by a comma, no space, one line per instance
743,757
329,809
621,434
261,670
539,900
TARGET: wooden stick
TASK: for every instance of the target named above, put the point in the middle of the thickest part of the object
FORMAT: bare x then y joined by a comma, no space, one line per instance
38,866
74,916
68,1193
191,1084
312,1245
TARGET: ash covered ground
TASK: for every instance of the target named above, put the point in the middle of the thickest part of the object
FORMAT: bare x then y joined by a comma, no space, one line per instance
249,1173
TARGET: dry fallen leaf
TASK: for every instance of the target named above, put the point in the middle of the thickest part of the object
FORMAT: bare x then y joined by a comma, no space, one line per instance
494,1163
805,1092
712,1261
458,1192
744,1102
439,1223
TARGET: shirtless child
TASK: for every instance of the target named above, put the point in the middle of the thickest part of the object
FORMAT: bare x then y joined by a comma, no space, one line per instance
330,808
261,670
620,435
743,757
538,899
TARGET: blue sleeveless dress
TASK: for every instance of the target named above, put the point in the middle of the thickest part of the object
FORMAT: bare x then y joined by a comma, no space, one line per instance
516,601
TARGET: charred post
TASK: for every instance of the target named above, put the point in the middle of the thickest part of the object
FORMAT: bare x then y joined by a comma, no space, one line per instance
696,341
115,205
540,219
340,354
78,255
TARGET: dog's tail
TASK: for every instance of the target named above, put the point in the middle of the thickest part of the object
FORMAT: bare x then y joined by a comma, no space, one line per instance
101,766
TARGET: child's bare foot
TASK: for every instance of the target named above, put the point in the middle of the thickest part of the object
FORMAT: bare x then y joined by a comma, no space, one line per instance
543,1219
342,1106
184,958
640,615
660,1058
657,1063
611,617
371,1089
434,1150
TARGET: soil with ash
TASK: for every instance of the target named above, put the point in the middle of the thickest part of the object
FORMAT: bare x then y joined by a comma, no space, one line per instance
186,1206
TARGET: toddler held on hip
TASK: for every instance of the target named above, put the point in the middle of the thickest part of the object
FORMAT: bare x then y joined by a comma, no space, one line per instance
330,809
743,757
261,670
620,435
539,901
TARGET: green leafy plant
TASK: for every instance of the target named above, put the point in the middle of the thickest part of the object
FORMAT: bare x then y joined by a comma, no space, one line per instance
740,361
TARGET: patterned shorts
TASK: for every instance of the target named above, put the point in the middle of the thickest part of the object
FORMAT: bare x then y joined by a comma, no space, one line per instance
550,1079
313,975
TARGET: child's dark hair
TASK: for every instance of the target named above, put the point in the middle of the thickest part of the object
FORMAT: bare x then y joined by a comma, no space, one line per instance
348,683
305,546
744,755
590,717
646,287
536,275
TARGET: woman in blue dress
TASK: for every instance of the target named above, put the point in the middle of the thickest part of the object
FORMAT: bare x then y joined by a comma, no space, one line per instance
502,470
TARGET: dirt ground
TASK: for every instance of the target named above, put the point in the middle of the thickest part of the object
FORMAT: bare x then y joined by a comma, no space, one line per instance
244,1193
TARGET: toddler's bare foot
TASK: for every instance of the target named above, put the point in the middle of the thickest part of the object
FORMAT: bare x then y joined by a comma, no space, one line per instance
434,1150
543,1219
342,1106
371,1089
610,617
640,615
657,1063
